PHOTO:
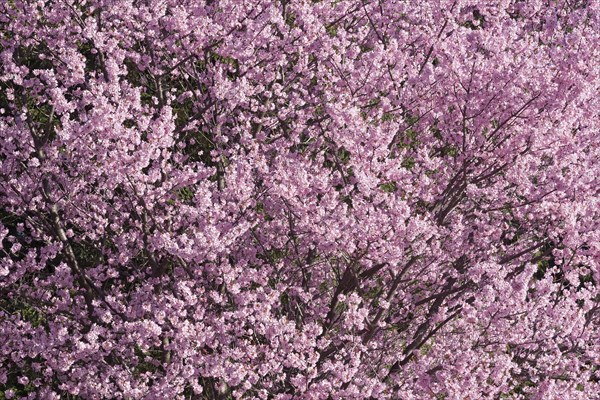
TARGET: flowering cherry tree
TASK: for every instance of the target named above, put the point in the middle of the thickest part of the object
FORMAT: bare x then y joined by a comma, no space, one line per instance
295,199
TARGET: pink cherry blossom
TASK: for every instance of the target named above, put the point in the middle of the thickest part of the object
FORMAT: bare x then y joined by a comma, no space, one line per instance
325,199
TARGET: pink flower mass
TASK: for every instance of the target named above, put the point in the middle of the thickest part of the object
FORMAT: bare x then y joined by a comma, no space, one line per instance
300,199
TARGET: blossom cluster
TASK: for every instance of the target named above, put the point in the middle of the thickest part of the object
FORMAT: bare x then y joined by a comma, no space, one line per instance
299,199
